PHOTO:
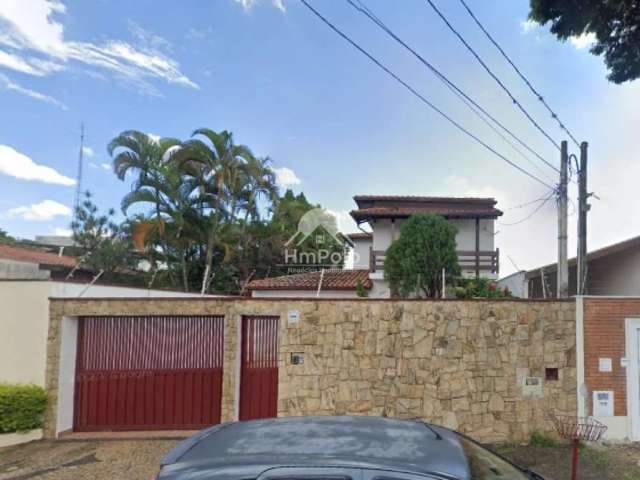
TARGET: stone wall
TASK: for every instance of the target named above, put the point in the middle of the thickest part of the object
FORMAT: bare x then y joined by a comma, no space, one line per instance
456,363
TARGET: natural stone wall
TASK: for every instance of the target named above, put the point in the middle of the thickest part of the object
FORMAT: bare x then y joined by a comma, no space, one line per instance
456,363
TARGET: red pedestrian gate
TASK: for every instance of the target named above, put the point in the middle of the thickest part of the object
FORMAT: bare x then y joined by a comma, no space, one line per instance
259,368
148,373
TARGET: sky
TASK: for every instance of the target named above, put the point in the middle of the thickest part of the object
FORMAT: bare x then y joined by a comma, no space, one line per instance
334,124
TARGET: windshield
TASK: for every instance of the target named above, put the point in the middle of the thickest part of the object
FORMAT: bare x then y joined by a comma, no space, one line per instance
484,465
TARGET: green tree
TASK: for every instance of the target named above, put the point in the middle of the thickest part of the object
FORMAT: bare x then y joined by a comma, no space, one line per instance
414,262
615,24
106,245
5,237
217,165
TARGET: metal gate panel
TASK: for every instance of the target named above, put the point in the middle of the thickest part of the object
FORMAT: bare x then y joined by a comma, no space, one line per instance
148,373
259,367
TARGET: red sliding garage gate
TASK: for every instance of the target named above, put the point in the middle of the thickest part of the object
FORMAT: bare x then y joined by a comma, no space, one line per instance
259,368
148,373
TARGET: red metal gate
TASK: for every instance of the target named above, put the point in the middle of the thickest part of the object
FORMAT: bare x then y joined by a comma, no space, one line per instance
259,368
148,373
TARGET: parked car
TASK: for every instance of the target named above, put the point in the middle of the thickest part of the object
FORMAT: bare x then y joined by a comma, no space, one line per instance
335,448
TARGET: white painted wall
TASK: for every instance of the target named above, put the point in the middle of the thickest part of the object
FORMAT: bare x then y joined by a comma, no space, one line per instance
24,322
67,374
516,283
361,248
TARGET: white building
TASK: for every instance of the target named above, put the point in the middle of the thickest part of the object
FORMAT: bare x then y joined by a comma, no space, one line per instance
384,215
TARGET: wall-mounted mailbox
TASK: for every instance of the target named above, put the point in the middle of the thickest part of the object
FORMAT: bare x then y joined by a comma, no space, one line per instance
532,387
603,403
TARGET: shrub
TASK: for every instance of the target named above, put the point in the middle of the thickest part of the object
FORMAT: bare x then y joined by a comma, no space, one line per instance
479,288
361,291
21,407
539,439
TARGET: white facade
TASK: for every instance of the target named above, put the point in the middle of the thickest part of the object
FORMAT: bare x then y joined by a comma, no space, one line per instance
24,321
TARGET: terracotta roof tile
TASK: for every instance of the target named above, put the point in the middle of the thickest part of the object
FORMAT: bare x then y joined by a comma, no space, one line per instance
20,254
360,236
332,280
462,211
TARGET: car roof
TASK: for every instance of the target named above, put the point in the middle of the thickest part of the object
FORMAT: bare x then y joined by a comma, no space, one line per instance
363,442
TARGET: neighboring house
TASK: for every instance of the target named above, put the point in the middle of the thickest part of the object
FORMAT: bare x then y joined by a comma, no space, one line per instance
28,278
321,284
612,270
473,217
516,283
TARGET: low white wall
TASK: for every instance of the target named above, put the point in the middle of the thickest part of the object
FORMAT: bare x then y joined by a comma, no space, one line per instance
24,321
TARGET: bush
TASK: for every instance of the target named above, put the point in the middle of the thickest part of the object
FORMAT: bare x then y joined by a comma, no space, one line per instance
21,407
539,439
479,288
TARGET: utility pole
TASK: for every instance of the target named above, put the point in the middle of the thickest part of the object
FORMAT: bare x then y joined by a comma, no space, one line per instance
563,265
583,208
76,203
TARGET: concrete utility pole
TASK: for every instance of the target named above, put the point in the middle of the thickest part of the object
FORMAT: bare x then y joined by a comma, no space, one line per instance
583,208
563,265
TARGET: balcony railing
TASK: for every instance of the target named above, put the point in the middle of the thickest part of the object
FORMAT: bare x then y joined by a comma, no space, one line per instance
469,260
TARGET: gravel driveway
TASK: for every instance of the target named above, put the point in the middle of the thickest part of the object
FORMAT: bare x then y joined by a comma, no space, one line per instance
71,460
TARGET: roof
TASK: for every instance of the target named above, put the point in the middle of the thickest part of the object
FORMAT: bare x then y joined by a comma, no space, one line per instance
360,236
594,255
331,280
356,442
391,206
21,254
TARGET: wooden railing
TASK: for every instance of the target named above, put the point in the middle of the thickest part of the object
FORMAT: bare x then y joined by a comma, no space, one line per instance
469,260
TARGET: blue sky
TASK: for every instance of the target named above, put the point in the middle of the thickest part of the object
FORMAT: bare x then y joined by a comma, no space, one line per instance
290,88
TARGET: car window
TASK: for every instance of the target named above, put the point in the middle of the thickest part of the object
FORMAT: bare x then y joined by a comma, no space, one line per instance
485,465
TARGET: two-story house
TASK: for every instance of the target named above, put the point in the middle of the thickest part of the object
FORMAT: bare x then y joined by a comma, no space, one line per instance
384,215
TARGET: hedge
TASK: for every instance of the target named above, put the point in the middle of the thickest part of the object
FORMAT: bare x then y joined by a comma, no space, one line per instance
21,407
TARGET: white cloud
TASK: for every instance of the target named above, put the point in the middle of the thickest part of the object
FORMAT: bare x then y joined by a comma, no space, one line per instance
88,152
285,177
106,166
249,4
528,26
458,186
45,210
32,29
62,232
583,41
345,221
154,137
18,165
7,83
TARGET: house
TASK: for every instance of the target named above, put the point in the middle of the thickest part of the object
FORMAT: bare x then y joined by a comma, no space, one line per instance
516,283
384,215
612,270
28,278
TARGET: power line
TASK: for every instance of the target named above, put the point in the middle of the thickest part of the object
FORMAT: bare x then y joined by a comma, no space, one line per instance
363,9
493,75
537,209
554,115
526,204
421,97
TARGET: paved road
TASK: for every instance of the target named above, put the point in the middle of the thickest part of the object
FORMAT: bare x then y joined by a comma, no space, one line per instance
79,460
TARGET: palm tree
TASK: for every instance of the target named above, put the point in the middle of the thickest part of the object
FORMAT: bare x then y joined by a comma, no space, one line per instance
173,196
137,152
216,164
260,181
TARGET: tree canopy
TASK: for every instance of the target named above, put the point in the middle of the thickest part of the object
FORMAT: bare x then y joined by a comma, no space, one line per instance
615,24
414,262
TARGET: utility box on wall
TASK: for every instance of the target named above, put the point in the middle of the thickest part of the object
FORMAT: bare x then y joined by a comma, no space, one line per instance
603,403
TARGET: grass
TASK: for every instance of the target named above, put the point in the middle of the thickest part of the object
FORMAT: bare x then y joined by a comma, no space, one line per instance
542,440
598,456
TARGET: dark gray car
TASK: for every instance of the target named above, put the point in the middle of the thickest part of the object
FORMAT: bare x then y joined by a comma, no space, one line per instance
334,448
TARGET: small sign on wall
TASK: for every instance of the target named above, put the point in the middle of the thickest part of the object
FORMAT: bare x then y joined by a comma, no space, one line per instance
604,365
293,317
603,403
532,387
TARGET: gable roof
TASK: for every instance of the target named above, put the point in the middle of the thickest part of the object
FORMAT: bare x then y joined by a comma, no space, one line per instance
360,236
594,255
402,206
331,280
20,254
